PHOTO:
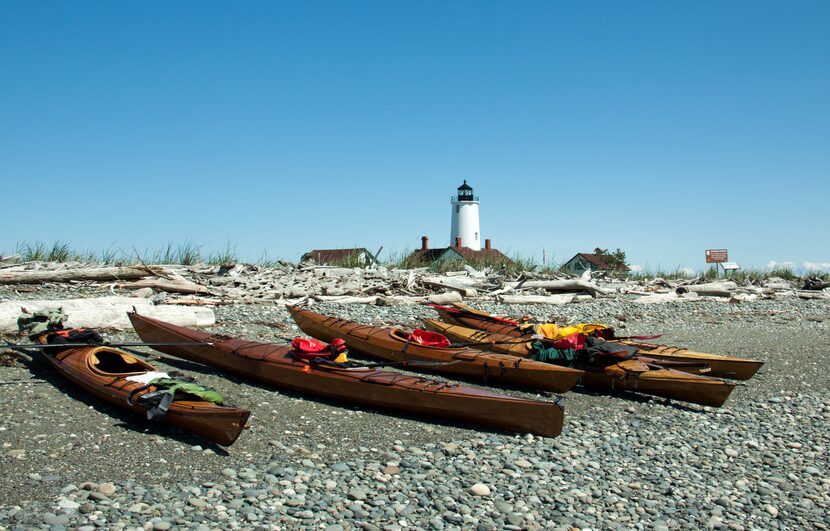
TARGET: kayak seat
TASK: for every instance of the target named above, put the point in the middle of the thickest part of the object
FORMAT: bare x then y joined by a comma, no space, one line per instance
110,361
421,337
429,339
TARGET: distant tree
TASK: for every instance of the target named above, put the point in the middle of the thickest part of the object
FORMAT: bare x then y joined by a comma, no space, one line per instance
616,259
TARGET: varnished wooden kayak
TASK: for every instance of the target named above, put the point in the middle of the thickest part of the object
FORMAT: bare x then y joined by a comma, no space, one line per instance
720,366
391,344
102,371
630,375
274,365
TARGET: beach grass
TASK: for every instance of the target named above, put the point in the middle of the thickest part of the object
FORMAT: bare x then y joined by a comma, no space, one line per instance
190,253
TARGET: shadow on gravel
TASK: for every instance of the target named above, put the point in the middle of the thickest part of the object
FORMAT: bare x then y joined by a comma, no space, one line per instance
43,371
631,396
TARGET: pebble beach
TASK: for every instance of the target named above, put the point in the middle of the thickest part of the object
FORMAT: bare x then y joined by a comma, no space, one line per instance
623,460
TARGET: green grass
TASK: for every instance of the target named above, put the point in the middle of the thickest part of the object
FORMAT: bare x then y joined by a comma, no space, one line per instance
350,261
676,274
515,264
402,260
821,275
226,256
59,251
784,272
187,253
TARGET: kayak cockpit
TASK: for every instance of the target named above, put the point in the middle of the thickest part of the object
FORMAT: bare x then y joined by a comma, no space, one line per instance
105,360
421,338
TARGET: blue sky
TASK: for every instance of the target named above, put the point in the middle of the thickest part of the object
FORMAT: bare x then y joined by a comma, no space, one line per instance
662,128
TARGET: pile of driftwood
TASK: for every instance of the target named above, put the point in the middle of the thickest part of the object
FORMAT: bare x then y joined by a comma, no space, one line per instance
661,291
286,283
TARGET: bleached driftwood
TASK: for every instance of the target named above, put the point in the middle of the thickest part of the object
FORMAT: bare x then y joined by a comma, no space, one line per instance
66,275
558,300
176,285
402,300
442,298
345,299
106,312
804,294
743,297
661,298
712,289
767,292
559,285
460,284
815,284
198,301
334,272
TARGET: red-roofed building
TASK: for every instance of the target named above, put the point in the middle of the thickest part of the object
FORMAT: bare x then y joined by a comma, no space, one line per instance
355,256
488,255
582,262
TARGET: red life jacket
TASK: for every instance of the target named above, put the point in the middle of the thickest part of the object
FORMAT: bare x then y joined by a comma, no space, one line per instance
574,341
430,339
307,349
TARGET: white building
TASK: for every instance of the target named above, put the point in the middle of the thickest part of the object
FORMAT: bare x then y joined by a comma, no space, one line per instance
465,230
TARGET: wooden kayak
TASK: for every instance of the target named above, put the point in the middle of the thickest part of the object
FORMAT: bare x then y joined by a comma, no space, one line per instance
630,375
102,371
391,344
721,366
275,365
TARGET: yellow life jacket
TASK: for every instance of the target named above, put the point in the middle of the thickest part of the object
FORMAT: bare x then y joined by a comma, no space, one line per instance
554,332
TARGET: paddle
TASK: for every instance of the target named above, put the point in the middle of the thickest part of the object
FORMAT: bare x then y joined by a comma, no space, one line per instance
38,346
321,362
485,343
474,313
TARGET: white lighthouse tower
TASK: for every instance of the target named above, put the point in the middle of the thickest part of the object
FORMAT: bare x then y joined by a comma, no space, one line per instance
465,230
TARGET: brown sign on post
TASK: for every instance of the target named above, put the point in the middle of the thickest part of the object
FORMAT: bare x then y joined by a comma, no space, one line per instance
716,256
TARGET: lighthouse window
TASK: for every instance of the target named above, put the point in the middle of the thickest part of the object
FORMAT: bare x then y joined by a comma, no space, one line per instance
476,236
456,209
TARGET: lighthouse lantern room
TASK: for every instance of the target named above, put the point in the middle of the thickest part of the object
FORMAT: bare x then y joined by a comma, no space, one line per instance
465,231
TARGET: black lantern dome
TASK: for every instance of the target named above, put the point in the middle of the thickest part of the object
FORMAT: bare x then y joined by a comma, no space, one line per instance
465,192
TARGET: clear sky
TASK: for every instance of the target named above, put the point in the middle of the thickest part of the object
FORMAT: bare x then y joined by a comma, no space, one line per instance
662,128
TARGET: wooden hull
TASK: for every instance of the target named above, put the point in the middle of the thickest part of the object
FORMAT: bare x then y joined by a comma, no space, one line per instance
273,364
387,344
720,366
667,383
218,423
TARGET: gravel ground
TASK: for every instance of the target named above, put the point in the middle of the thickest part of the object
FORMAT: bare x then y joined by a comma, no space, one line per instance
622,461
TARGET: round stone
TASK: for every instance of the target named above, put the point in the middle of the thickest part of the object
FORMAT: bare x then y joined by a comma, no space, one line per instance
107,489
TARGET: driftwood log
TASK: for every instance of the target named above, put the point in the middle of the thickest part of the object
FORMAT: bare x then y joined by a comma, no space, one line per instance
67,275
176,285
712,289
402,300
558,285
662,298
345,299
466,289
106,312
558,300
805,294
811,283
